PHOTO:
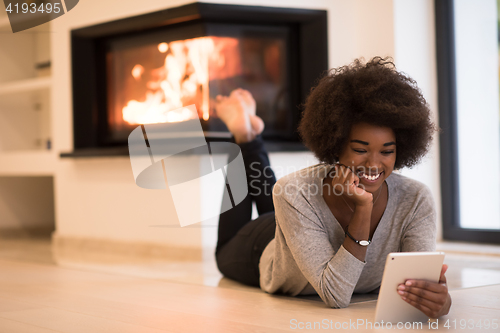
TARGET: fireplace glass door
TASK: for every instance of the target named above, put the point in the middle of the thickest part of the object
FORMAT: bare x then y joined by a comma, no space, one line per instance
149,76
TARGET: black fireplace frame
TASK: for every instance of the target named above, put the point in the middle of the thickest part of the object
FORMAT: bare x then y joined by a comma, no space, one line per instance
86,45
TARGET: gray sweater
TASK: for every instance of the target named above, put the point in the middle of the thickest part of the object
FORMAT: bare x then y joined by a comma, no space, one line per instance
307,257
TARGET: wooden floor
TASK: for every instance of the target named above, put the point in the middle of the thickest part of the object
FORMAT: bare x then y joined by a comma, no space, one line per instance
39,295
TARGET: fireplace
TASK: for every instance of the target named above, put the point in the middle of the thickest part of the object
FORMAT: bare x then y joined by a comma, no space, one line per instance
138,70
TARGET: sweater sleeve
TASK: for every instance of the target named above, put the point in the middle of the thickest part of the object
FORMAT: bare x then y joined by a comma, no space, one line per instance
333,273
420,233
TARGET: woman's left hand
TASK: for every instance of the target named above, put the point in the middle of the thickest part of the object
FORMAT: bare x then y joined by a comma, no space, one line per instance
431,298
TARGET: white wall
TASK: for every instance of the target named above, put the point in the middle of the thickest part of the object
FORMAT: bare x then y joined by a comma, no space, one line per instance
97,198
414,40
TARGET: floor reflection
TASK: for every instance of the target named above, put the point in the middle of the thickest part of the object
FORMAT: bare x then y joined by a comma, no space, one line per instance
465,271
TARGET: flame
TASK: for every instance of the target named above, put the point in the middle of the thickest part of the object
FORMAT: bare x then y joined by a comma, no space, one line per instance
153,111
183,79
163,47
137,72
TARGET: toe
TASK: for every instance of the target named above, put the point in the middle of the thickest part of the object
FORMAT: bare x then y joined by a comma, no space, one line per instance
257,124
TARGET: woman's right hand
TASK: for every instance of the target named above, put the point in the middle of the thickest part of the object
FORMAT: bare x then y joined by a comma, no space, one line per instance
347,183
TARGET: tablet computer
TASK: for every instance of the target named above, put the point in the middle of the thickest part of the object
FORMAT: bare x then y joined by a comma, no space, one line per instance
400,267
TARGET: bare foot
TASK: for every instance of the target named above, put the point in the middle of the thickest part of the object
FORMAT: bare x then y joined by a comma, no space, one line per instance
238,113
256,121
249,101
257,124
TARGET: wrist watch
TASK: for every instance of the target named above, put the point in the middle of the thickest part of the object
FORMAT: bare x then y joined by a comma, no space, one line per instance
359,242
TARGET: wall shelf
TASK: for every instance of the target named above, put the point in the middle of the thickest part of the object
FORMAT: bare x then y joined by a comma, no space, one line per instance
25,85
5,24
27,163
25,102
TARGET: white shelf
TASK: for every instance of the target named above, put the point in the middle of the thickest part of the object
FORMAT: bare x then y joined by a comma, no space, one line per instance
24,101
27,163
4,19
25,85
5,24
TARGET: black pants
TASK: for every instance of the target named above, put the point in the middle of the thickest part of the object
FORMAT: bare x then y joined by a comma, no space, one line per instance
241,241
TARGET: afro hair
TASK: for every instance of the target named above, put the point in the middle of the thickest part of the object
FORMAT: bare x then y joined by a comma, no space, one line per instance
373,93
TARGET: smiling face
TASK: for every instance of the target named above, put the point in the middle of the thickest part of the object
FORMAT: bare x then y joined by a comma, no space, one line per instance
371,152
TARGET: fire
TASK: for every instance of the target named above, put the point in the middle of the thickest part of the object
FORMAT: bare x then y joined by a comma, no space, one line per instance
183,79
137,72
163,47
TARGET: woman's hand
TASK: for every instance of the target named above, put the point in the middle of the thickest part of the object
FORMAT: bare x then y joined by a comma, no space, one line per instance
431,298
345,182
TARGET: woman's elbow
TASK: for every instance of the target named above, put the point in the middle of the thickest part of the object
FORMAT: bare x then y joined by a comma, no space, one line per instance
336,304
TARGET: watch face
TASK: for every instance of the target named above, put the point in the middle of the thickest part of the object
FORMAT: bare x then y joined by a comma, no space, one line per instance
364,243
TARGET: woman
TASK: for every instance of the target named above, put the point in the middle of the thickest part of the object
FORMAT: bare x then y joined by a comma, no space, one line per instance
335,222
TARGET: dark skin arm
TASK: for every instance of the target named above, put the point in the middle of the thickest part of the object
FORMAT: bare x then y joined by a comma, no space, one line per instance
359,228
431,298
359,225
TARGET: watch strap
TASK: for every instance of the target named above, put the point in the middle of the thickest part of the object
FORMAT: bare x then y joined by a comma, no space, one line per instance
359,242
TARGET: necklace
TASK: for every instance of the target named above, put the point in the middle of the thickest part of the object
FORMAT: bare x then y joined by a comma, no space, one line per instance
352,210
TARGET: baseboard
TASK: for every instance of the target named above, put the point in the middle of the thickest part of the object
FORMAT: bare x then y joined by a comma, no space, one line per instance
26,232
79,247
